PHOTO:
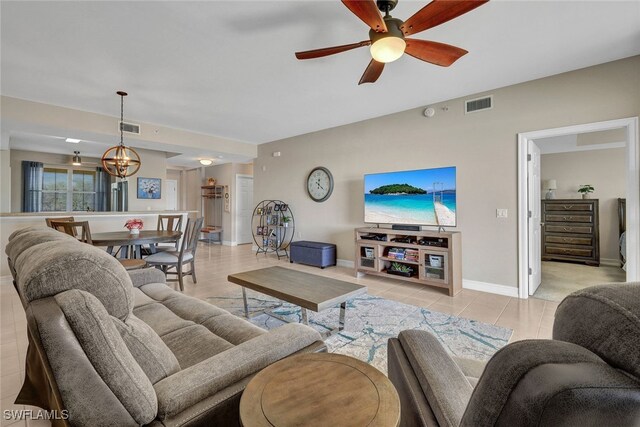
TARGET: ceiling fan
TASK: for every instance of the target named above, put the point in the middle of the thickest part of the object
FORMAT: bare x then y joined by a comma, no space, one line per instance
388,35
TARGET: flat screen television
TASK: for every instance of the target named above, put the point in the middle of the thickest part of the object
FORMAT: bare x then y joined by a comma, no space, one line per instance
416,197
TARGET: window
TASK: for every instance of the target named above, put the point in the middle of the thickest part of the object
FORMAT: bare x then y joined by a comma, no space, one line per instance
84,192
68,190
54,189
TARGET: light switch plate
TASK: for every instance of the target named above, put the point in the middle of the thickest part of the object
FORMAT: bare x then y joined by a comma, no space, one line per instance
501,213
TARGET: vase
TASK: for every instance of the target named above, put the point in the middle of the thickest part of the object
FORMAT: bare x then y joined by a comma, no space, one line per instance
134,231
585,195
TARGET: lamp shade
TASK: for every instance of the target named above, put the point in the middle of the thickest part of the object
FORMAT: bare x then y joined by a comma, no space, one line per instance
552,184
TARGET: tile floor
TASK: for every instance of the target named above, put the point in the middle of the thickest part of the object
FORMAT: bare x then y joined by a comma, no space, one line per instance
532,318
559,279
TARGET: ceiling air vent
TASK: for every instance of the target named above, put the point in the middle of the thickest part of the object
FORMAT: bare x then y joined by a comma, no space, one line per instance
478,104
129,127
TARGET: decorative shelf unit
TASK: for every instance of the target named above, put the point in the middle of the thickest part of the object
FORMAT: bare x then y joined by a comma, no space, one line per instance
425,257
273,227
213,204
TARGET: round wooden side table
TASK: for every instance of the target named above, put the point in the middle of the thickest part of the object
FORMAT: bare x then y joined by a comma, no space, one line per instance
320,389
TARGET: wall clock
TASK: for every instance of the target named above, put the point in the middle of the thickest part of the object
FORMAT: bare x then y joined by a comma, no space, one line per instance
320,184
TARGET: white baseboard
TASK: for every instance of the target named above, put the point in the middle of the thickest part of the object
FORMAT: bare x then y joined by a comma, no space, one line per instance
345,263
228,243
610,262
491,288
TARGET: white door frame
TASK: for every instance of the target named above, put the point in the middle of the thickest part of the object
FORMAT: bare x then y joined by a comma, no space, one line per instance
633,193
235,205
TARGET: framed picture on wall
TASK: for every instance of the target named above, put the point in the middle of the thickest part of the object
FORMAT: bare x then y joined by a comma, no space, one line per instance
149,188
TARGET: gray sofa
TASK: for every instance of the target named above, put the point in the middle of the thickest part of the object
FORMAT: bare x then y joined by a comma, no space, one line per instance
588,375
118,348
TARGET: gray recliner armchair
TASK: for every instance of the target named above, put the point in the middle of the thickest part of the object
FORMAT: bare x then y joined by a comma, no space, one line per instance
117,348
588,375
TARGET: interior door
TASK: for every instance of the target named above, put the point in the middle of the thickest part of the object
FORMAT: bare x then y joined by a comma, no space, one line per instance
244,209
171,194
535,223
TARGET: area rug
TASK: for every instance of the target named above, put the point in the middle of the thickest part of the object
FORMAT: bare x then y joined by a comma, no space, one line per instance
372,320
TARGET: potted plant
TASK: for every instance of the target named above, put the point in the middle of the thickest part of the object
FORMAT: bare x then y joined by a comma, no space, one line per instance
286,220
134,225
585,190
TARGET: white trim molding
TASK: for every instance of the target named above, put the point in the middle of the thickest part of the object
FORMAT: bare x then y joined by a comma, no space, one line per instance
228,243
612,262
630,124
492,288
345,263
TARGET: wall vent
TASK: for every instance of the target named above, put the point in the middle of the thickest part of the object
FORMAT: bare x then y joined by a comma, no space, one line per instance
129,127
478,104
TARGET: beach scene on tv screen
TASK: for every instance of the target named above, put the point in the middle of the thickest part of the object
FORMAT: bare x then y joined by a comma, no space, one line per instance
419,197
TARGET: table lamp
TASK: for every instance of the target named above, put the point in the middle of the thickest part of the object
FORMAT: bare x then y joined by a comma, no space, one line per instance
552,185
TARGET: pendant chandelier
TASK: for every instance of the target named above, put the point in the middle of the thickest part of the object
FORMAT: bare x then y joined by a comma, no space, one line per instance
121,161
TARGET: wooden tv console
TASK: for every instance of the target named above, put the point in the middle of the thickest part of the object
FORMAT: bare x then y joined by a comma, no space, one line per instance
436,262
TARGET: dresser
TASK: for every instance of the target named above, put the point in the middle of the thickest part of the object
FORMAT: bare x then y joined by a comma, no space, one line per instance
570,231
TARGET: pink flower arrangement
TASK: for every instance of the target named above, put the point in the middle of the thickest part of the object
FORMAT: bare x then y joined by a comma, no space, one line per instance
134,224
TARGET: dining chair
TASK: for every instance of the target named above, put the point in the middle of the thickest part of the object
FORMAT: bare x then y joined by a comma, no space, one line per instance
169,223
59,219
168,260
81,231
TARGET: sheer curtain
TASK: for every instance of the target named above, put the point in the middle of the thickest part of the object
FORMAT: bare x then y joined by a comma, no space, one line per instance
32,174
103,190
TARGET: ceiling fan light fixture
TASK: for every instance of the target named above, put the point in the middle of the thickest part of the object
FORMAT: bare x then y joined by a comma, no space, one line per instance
76,161
388,49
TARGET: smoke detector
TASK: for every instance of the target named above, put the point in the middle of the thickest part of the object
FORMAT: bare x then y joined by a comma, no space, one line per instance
429,112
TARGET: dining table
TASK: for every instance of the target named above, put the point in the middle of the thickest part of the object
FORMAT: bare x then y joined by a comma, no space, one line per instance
131,244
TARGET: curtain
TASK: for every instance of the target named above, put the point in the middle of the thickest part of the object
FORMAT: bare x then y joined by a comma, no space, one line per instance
32,175
103,190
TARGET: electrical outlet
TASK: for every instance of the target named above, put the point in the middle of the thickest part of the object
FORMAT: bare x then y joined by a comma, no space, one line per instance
501,213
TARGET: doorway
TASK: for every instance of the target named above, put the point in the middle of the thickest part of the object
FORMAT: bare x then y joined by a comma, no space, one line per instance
529,241
244,208
171,194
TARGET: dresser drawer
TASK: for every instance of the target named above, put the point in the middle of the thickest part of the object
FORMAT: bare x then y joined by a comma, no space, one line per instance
568,207
577,229
580,252
570,240
558,217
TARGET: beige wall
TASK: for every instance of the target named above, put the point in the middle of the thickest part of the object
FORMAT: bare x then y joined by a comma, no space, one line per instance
193,181
481,145
5,181
606,171
153,165
49,159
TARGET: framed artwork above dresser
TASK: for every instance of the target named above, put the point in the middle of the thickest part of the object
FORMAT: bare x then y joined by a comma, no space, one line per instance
570,230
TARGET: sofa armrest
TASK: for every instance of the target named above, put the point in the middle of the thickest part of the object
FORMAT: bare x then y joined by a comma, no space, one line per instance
189,386
145,276
442,381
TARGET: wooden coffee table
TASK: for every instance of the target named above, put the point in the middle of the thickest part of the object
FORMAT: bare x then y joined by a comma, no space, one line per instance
308,291
320,389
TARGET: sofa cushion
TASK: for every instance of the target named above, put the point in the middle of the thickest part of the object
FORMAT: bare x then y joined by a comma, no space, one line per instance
191,385
162,320
606,320
30,237
108,353
194,343
154,357
56,266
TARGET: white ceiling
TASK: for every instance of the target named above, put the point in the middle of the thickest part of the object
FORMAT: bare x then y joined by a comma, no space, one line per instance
228,68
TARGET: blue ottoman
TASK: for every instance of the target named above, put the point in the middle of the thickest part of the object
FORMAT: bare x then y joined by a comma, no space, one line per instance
313,253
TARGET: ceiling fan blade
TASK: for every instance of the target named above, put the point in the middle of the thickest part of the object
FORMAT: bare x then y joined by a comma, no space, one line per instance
434,52
319,53
368,12
373,71
438,12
